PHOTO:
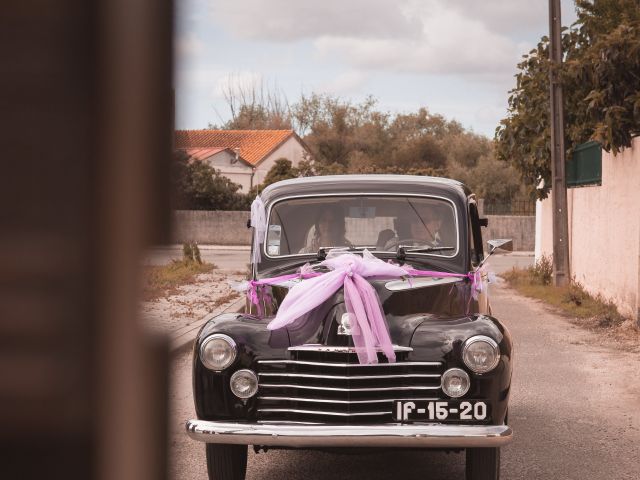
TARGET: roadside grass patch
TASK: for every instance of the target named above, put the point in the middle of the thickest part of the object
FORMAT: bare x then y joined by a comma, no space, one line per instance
573,300
161,281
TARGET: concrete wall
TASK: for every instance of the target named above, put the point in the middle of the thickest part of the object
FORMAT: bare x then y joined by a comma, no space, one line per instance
230,228
520,228
604,231
211,227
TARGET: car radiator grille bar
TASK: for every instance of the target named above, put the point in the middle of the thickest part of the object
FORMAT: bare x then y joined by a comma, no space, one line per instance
332,387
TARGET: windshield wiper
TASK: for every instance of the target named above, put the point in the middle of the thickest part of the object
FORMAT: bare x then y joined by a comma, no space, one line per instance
401,252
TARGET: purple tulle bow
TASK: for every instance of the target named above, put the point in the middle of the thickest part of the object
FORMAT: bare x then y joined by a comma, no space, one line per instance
369,328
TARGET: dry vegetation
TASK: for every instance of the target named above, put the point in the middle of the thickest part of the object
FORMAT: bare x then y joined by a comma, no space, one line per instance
575,302
162,281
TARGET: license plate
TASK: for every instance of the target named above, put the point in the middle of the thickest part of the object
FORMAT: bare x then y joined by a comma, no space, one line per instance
440,410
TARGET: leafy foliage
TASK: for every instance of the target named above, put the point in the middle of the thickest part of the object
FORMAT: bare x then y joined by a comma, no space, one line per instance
350,137
197,186
601,80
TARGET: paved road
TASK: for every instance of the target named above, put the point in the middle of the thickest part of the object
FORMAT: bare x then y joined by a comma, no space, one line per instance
575,408
227,258
237,258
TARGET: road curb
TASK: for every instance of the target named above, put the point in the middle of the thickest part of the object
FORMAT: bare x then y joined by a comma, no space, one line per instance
180,338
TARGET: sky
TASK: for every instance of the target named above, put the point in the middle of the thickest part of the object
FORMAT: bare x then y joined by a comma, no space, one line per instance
455,57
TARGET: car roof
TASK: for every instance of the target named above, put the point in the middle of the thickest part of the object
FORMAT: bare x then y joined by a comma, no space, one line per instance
371,183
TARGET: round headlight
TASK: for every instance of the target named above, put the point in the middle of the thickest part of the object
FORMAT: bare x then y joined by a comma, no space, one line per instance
481,354
455,382
218,351
244,384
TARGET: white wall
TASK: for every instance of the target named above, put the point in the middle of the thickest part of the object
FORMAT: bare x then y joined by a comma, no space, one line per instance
292,150
238,172
604,231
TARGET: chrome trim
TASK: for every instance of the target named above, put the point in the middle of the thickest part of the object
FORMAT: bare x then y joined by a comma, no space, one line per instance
317,347
321,412
251,374
388,435
420,282
364,194
350,365
460,372
349,402
292,422
336,389
481,338
224,337
351,377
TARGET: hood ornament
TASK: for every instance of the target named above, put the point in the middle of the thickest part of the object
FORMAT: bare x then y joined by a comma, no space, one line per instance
344,324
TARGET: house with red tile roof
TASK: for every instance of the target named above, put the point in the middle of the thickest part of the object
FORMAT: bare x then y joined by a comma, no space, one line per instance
243,156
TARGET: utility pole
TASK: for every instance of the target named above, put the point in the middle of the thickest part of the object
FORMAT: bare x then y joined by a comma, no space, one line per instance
561,272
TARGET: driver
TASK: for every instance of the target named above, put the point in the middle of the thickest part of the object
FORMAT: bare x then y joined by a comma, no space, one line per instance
422,231
432,225
328,231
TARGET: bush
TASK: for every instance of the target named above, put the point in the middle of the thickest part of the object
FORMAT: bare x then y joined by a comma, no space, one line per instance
542,271
198,186
191,252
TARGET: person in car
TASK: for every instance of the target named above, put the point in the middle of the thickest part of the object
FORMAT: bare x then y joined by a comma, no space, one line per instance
426,230
328,231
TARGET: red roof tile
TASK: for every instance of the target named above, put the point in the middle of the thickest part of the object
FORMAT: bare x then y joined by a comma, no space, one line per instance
254,145
202,153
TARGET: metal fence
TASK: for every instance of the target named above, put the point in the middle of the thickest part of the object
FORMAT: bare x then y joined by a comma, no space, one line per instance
513,207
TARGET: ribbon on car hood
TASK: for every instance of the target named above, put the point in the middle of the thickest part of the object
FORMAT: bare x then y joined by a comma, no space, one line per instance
369,328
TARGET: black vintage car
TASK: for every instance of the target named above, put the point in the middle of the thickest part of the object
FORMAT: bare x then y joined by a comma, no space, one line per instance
303,386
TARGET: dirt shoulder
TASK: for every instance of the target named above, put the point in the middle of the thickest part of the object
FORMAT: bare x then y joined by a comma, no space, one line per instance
181,305
573,303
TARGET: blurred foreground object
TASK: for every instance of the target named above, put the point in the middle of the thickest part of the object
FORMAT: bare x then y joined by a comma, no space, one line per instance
87,117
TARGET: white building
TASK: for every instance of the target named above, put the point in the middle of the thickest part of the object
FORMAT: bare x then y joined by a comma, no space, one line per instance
243,156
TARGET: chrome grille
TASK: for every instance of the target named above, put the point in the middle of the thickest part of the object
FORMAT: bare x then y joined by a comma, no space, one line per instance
328,385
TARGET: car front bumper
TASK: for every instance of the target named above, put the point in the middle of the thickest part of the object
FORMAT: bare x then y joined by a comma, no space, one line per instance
387,435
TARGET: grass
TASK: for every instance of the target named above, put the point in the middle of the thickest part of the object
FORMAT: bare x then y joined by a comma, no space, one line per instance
160,281
586,310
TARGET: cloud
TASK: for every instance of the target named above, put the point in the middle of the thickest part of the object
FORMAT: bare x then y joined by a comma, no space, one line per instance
286,20
347,82
449,43
504,16
417,36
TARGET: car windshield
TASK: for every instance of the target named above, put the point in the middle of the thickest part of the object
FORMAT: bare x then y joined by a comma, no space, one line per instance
380,223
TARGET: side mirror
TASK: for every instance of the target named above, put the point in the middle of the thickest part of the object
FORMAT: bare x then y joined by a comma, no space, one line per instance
503,244
500,244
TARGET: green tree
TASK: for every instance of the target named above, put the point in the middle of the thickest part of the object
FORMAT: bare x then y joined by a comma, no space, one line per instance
198,186
601,79
357,137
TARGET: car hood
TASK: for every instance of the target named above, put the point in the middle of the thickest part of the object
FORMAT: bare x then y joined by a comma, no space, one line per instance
442,309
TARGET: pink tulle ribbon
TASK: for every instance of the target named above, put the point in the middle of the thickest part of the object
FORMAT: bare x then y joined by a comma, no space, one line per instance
369,328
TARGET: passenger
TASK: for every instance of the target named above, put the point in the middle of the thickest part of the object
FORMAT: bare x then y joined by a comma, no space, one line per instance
329,231
384,237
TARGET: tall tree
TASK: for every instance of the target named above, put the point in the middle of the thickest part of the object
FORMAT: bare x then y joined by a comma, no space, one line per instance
601,77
